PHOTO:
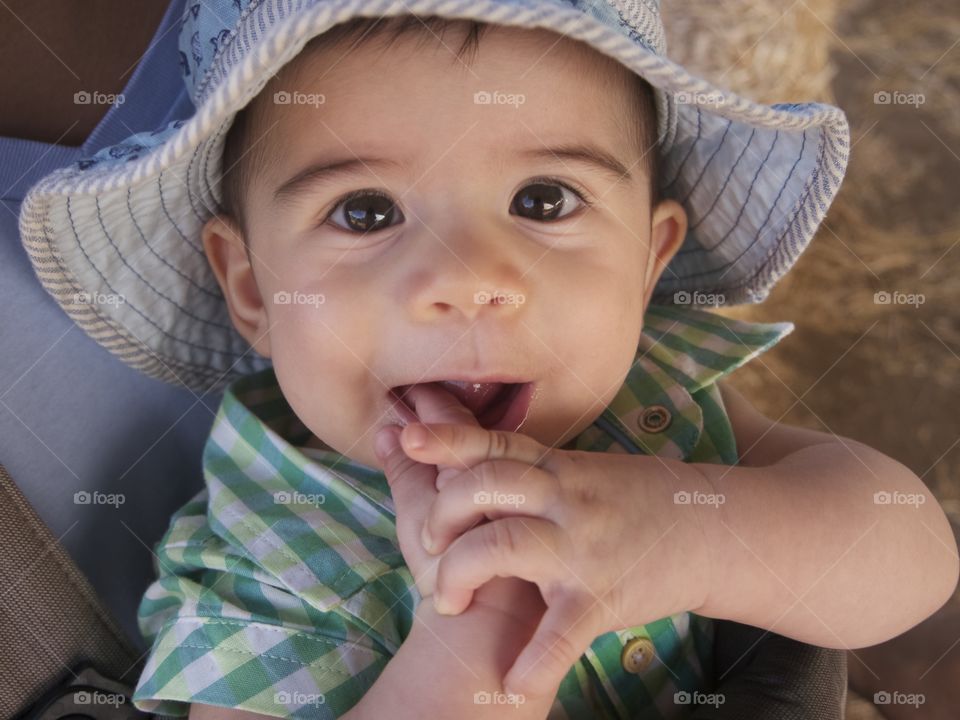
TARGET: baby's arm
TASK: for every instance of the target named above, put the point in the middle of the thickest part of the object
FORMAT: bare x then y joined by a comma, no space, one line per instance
445,660
448,658
803,548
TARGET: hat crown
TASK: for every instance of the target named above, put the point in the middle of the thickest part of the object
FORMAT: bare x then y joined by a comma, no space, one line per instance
213,33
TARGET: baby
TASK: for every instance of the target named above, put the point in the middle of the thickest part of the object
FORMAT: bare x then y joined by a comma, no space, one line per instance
466,246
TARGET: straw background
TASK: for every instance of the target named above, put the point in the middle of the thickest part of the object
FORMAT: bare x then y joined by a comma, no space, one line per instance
884,374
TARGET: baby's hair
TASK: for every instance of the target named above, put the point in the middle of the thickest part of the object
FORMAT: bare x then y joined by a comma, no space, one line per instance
240,163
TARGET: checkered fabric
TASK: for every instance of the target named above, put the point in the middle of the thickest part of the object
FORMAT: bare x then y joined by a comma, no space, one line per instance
281,587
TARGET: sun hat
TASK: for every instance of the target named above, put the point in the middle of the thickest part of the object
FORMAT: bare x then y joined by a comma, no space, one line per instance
115,238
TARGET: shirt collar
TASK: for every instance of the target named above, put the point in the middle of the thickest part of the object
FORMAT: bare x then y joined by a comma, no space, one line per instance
265,488
681,351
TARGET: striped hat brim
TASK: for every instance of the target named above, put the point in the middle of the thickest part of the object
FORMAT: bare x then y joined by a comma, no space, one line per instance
115,238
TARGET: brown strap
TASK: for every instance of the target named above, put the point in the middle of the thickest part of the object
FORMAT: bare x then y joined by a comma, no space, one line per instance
50,618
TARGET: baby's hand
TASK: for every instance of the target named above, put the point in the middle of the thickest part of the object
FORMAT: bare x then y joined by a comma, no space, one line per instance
603,536
413,487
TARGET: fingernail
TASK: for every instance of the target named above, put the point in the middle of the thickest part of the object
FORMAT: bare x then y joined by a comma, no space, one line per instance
426,539
382,442
416,436
439,605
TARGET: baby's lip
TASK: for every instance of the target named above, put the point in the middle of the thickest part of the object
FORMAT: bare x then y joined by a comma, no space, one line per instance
493,405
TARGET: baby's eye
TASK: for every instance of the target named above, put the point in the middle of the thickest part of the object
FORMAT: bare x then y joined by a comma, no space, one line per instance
546,201
365,211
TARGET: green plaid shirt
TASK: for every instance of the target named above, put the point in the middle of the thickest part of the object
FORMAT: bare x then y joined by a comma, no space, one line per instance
281,588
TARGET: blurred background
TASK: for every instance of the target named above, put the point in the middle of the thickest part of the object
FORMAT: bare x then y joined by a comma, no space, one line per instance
884,373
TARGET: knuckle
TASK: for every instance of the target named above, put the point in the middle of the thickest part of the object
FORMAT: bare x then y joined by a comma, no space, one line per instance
575,484
441,581
398,466
457,436
555,651
497,444
501,538
488,476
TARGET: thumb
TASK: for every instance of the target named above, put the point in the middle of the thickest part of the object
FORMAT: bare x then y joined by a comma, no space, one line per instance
411,482
412,486
385,445
562,636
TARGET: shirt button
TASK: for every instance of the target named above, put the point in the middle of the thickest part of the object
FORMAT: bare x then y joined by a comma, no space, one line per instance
637,654
654,419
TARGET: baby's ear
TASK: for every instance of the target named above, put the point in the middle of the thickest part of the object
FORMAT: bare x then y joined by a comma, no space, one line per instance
227,254
668,228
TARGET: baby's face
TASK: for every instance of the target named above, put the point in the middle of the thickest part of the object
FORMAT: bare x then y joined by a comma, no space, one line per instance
347,316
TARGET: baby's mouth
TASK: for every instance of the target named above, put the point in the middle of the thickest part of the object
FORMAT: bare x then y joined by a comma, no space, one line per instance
496,405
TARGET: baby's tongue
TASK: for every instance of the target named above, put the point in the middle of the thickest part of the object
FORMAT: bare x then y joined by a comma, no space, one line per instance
476,397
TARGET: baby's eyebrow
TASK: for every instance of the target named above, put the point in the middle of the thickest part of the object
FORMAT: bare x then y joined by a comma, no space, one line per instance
323,172
584,154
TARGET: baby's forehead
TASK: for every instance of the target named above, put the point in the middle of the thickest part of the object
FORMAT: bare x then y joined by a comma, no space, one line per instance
518,78
521,55
521,89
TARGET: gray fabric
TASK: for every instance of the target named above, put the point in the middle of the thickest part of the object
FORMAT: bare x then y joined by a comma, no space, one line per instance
75,418
765,676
